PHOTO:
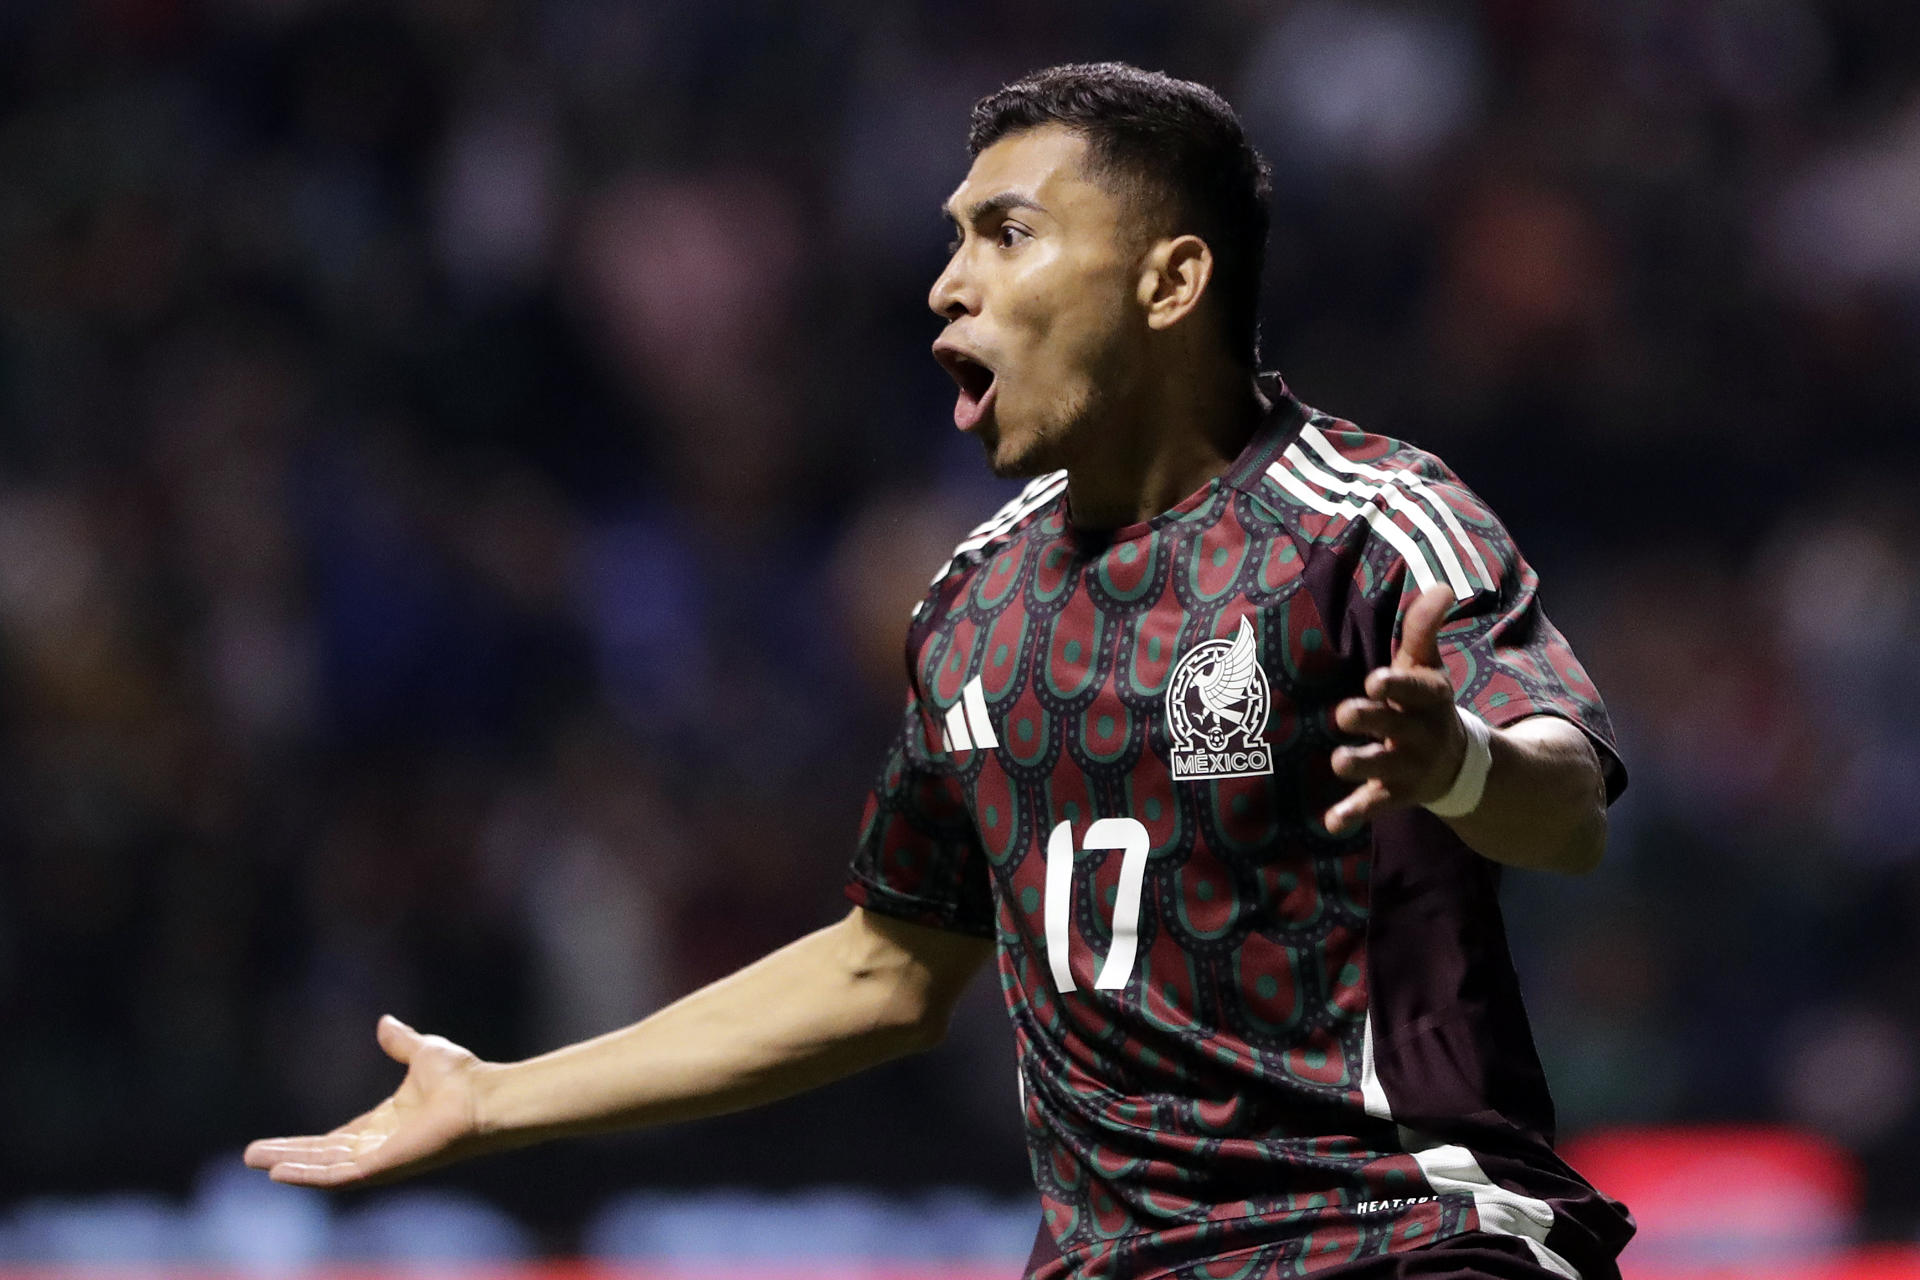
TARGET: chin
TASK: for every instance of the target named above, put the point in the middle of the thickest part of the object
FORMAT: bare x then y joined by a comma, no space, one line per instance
1019,457
1009,465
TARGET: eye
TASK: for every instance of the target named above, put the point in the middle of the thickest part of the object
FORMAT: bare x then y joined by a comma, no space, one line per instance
953,245
1011,234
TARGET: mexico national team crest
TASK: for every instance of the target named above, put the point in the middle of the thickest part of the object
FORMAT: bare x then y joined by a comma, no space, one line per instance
1217,704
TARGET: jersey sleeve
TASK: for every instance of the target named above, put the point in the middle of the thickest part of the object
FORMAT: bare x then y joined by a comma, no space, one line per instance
1506,658
918,857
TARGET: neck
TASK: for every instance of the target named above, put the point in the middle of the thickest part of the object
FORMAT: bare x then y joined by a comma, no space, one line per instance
1167,435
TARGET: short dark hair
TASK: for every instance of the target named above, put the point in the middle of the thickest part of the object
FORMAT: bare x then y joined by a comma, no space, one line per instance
1173,141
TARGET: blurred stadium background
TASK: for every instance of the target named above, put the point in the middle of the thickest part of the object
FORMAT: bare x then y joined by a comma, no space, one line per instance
404,409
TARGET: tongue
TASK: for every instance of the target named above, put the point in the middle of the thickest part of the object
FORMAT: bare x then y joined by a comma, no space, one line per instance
969,409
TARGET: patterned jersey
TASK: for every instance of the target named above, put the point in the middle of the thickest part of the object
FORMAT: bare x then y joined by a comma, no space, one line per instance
1247,1047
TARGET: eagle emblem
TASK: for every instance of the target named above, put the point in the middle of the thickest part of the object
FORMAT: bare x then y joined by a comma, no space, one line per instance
1217,704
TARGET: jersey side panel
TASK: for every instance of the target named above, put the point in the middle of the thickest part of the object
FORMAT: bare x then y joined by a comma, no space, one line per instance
1451,1056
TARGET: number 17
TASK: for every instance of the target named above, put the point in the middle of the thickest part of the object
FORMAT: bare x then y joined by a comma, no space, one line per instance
1130,837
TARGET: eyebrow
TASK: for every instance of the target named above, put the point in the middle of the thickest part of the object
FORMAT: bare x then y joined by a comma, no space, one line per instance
1004,202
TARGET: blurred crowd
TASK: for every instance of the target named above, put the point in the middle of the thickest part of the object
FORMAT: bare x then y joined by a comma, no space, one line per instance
465,467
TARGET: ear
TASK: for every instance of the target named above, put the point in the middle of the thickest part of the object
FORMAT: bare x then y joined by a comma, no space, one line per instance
1172,279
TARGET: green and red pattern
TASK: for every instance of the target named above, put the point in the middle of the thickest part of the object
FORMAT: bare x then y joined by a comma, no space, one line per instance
1318,1052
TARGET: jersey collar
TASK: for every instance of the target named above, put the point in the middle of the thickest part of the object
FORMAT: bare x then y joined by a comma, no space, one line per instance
1270,439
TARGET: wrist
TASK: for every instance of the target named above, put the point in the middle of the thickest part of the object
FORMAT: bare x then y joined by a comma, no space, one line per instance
516,1104
488,1083
1469,783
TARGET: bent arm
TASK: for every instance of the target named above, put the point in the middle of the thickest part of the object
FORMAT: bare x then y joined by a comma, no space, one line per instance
839,1000
1545,804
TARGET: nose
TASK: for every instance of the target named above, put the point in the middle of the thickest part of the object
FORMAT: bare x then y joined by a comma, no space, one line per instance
953,295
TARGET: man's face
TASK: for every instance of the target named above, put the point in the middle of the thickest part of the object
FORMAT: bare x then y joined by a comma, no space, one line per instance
1039,298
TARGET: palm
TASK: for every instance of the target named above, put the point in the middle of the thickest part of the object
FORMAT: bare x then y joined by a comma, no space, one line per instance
426,1122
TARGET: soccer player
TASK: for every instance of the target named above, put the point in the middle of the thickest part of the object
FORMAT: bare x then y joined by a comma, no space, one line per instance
1215,739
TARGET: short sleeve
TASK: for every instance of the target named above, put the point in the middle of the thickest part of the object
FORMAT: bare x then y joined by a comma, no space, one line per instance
918,857
1506,659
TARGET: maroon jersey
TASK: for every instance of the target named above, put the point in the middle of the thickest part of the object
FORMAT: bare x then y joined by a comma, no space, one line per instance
1247,1047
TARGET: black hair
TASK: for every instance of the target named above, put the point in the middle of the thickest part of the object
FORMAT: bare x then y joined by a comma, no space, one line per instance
1175,143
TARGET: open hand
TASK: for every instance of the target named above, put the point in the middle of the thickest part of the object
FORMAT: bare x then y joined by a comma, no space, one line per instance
1417,742
428,1121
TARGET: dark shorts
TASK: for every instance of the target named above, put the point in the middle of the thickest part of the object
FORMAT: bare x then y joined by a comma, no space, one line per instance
1473,1256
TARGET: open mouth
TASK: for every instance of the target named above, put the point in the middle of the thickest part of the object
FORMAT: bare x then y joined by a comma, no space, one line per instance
976,382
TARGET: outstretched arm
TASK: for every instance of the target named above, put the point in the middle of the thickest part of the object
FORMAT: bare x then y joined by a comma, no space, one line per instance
1544,805
839,1000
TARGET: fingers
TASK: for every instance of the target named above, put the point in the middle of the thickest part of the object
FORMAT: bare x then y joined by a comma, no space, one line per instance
399,1040
1414,748
341,1144
1364,717
1415,689
1420,633
318,1173
319,1149
319,1160
1367,802
315,1175
1375,760
266,1152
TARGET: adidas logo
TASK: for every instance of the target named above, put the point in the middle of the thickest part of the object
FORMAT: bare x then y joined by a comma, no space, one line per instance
968,727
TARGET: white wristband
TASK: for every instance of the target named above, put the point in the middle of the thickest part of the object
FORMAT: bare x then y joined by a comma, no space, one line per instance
1463,797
